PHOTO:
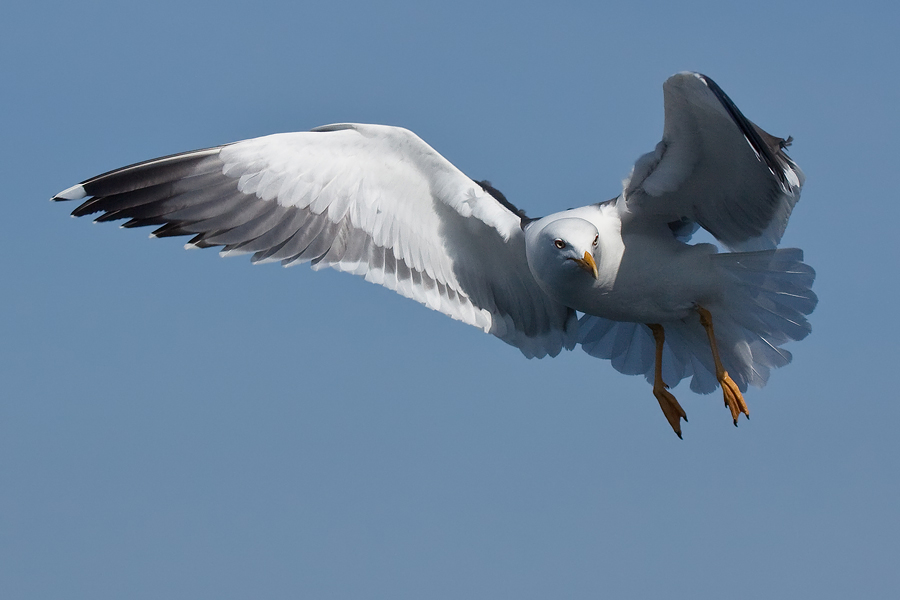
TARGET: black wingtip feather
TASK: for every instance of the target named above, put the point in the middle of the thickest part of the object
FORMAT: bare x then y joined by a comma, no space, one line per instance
172,230
88,207
762,142
150,172
200,242
501,198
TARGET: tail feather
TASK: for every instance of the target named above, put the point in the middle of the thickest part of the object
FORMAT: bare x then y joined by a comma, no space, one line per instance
766,297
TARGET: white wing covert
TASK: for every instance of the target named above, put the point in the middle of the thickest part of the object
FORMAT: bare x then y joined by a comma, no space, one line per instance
714,168
371,200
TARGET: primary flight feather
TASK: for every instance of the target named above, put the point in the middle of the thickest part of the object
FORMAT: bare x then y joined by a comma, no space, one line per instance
379,202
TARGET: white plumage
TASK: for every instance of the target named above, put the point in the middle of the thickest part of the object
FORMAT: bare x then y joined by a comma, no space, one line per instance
379,202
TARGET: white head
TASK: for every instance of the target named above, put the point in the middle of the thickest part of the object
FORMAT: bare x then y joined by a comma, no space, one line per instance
562,253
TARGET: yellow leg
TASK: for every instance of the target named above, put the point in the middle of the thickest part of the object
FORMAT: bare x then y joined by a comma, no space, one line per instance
734,400
667,402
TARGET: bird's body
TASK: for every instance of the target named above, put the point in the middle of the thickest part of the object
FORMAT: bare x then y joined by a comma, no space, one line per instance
379,202
644,275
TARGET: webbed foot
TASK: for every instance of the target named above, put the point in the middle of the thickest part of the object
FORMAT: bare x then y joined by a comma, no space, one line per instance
734,400
667,402
670,407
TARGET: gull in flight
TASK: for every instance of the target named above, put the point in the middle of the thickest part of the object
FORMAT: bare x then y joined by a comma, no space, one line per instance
618,277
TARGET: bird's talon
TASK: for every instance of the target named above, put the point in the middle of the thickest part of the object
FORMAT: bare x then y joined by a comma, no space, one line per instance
667,402
734,400
670,407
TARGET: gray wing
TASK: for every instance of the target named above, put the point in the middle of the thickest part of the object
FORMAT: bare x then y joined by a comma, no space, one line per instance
371,200
714,168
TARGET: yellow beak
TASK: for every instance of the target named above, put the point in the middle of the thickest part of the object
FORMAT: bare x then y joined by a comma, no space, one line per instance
587,263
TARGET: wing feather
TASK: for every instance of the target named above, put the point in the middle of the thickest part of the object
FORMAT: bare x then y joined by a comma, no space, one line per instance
366,199
715,168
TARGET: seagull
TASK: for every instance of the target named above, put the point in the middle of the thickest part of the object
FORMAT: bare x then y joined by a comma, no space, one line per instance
618,278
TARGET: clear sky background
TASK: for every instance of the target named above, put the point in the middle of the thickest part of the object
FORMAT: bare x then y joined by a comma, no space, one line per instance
175,425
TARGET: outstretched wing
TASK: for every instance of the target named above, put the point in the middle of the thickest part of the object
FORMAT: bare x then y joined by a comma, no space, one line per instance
714,168
372,200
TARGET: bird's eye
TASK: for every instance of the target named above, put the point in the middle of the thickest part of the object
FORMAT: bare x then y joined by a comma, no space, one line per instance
596,239
559,244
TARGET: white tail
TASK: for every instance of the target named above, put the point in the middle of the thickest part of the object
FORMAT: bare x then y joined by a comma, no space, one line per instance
766,297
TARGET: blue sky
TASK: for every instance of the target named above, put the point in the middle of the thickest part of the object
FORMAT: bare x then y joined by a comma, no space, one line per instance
175,425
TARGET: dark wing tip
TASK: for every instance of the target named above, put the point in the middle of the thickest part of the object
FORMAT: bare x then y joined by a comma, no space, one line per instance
769,148
499,197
